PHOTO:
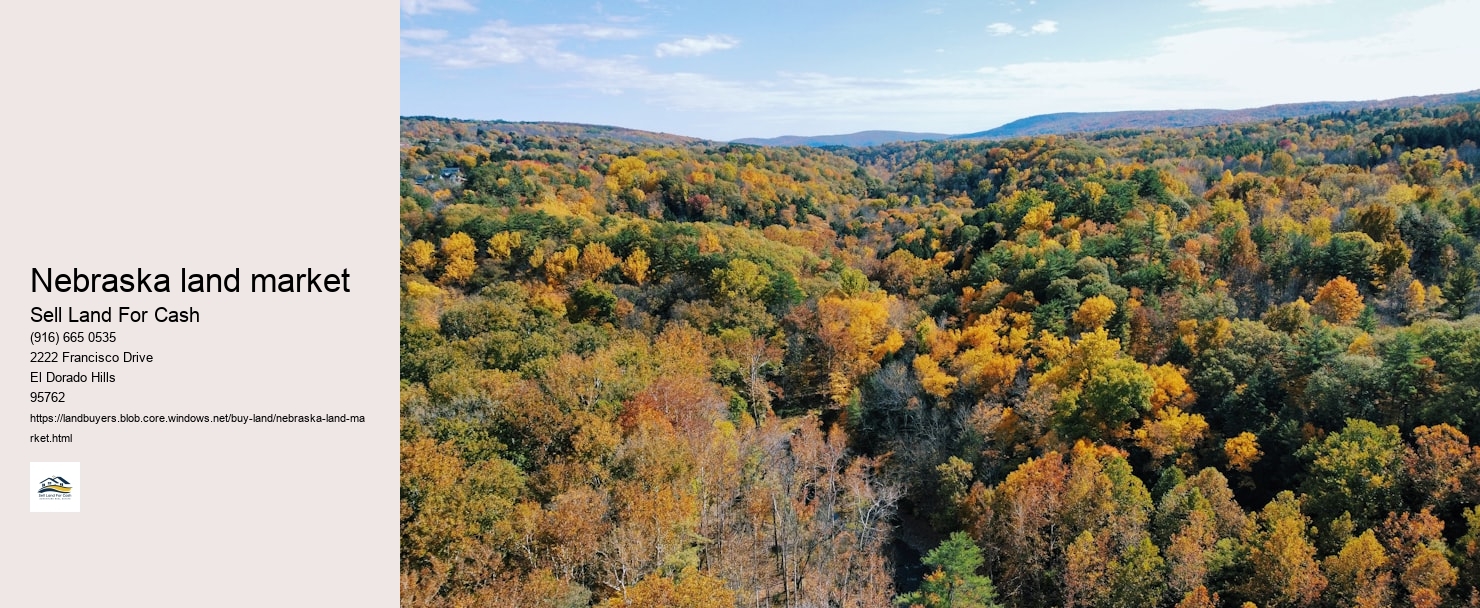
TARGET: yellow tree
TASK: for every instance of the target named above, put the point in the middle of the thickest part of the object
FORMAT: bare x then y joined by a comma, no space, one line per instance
502,245
1094,312
1171,389
1171,432
596,258
994,350
932,378
627,174
857,334
635,267
709,243
1413,297
1359,574
1338,301
1039,217
559,264
418,256
1285,570
458,252
1198,598
693,589
1242,451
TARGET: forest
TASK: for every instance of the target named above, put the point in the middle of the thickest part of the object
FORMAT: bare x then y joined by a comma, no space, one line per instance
1220,366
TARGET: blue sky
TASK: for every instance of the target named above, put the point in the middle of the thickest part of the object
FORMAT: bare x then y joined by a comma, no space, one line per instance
725,70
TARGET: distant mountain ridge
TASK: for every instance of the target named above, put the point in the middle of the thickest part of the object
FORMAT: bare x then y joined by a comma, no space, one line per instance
1041,124
859,139
1085,122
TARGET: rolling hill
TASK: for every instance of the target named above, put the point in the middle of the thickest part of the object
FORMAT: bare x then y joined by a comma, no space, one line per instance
859,139
470,129
1084,122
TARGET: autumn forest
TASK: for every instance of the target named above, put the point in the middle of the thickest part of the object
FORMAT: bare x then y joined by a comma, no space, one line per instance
1219,366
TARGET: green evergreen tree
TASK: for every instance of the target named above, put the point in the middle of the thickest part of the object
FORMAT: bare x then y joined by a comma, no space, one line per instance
954,582
1459,289
1367,321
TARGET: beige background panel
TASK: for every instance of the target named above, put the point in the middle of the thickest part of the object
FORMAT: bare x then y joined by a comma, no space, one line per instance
213,136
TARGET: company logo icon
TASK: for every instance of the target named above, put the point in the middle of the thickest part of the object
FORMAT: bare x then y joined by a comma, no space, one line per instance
55,485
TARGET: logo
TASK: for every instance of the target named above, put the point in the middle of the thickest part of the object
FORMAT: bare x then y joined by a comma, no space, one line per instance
55,485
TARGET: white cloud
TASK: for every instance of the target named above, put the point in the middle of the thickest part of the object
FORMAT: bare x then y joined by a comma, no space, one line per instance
1042,28
1000,29
1415,53
422,7
501,43
693,47
424,35
1240,5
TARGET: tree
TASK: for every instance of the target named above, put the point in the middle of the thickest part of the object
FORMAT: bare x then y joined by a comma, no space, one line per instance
1198,598
1460,289
742,280
709,243
458,251
1242,451
1351,255
593,300
1367,319
856,333
1171,389
993,354
501,246
1187,549
1086,580
693,589
1414,299
1116,393
1359,574
756,358
932,378
1285,571
1093,312
1467,549
560,263
596,259
1415,541
449,507
954,582
1289,318
1171,432
1379,221
1422,165
1443,466
1087,498
418,256
1136,576
635,267
1338,301
1099,389
1358,470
